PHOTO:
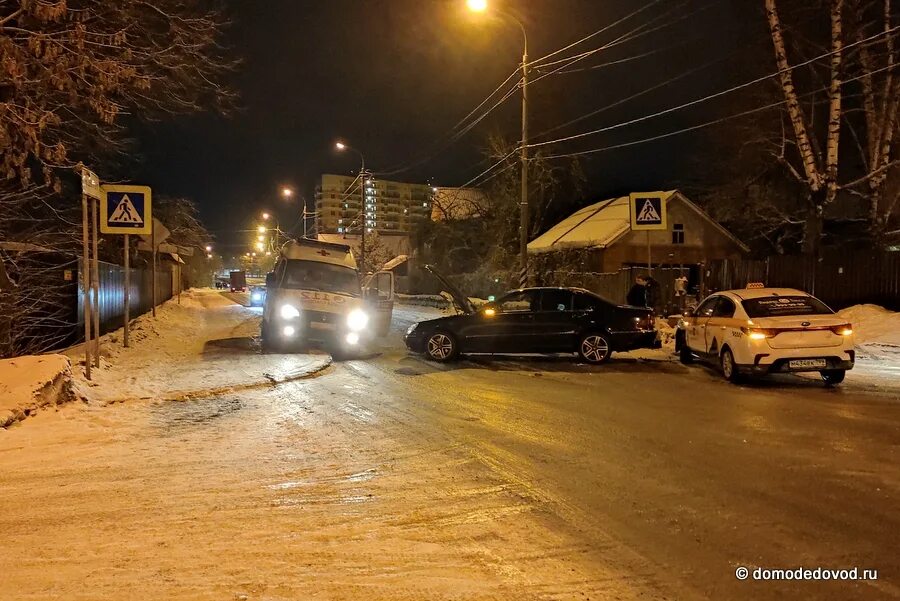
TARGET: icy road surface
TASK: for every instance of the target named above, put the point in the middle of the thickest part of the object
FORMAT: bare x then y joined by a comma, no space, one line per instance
391,478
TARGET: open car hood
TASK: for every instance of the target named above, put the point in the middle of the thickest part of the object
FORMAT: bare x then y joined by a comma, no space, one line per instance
459,299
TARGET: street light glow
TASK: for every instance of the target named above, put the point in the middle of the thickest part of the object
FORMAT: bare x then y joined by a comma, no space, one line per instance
266,216
477,6
287,192
208,248
260,238
261,229
340,146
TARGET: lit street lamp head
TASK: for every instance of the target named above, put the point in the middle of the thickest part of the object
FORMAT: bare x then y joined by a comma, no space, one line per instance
287,192
478,6
266,216
340,146
261,229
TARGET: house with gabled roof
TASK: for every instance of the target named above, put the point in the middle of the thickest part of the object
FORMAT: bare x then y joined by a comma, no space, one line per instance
602,231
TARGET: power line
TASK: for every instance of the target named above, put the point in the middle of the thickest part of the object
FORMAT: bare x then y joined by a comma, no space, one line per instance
455,134
706,124
596,33
710,96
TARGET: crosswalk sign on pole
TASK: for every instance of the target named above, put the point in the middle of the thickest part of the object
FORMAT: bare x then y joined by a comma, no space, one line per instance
648,210
126,210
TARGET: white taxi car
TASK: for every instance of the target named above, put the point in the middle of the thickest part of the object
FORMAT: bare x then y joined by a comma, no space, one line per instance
758,331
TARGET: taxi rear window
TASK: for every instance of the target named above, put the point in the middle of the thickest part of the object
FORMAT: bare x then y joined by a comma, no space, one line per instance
775,306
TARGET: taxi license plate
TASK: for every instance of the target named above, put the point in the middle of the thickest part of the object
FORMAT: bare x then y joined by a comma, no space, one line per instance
807,363
318,325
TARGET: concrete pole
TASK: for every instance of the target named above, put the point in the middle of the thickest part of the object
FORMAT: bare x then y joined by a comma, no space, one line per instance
365,217
523,202
86,284
96,280
127,287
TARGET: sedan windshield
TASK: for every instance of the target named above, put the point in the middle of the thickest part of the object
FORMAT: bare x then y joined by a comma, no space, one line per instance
777,306
322,277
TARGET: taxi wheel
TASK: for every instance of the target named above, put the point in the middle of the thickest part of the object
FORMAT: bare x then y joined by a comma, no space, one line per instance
594,348
832,377
729,369
441,347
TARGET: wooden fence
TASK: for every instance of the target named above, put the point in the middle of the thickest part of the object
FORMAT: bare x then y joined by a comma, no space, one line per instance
839,279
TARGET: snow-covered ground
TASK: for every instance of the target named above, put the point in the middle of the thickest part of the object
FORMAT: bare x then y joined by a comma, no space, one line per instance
31,382
204,345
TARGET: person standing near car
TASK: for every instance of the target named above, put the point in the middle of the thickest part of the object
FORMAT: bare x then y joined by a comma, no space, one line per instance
637,296
654,294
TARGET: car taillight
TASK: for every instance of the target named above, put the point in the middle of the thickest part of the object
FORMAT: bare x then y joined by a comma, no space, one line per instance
759,333
843,329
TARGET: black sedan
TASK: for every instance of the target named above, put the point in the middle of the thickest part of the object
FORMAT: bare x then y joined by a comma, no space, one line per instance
537,320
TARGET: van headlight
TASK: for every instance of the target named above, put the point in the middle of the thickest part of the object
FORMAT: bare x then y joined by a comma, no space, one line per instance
357,320
289,312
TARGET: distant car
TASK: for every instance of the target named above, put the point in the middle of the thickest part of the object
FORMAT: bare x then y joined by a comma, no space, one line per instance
535,320
758,331
257,296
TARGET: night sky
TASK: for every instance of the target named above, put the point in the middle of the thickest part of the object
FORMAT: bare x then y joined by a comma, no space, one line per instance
393,76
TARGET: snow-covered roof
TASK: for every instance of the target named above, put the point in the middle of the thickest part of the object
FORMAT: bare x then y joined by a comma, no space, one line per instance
595,226
601,224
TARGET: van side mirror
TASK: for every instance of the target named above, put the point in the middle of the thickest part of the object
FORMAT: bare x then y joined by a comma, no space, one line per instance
270,279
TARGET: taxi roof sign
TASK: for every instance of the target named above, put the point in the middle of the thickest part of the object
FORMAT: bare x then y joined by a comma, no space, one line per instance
752,285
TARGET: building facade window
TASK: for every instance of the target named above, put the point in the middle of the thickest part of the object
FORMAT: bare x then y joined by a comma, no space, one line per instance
678,233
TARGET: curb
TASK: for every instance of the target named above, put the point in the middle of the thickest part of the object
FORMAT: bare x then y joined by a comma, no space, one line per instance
187,395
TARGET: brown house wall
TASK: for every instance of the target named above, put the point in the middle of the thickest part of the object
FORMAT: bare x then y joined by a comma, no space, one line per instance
702,242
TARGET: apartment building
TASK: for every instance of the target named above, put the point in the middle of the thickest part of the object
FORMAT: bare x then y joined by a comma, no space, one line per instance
390,207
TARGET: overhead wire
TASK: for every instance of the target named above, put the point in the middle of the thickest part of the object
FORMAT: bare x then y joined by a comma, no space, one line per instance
707,123
710,96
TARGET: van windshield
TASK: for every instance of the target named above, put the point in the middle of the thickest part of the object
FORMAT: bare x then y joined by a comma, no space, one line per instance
323,277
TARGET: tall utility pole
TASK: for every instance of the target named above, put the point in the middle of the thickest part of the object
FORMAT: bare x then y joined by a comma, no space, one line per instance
365,216
362,196
523,202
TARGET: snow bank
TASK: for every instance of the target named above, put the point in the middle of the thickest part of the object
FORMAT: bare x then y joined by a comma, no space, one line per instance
31,382
873,324
206,345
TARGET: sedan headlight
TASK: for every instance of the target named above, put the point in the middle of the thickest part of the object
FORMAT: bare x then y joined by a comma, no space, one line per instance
357,320
289,312
257,296
412,329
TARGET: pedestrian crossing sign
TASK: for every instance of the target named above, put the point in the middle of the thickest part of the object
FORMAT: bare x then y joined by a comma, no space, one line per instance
648,210
126,210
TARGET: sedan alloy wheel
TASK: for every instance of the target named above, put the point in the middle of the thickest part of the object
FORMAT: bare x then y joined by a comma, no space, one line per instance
595,348
441,347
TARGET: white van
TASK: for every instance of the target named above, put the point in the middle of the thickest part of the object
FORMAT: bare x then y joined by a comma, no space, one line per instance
315,295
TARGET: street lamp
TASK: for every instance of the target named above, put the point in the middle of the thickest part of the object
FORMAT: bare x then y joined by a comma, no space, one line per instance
340,146
208,248
287,192
261,229
265,216
481,6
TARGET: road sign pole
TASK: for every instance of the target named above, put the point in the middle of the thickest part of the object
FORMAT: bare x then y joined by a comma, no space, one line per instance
153,277
86,284
127,286
95,278
649,256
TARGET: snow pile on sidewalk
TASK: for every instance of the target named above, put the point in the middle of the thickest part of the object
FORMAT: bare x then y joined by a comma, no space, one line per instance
873,325
205,345
877,332
31,382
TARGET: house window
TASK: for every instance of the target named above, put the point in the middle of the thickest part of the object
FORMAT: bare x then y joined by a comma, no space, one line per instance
678,233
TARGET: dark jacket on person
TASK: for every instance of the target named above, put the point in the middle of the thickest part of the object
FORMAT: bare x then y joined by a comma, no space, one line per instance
637,296
653,293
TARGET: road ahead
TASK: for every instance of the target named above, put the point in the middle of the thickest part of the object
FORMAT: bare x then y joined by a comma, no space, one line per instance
391,478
